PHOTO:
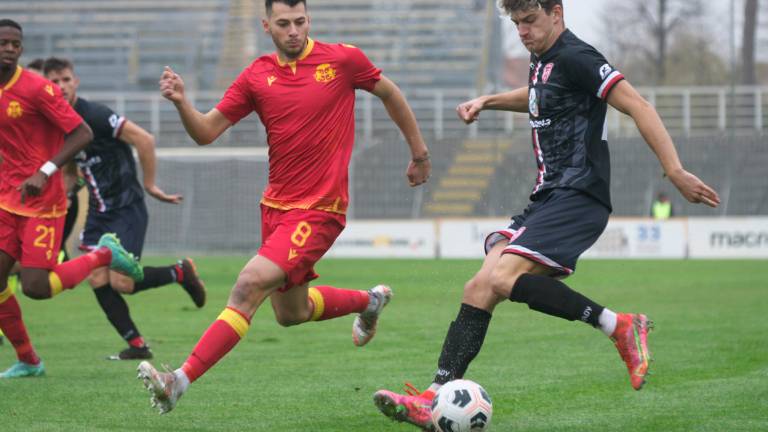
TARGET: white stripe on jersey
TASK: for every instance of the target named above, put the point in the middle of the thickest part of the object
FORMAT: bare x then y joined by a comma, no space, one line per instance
609,80
92,180
540,159
118,127
605,127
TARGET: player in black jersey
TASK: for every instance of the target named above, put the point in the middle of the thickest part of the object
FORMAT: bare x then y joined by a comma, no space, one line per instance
570,84
116,204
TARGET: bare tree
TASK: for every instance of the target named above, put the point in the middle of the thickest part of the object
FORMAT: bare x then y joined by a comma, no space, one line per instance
642,31
748,42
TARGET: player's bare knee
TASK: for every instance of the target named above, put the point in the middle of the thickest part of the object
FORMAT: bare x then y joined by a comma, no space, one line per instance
476,288
122,286
249,288
98,278
502,280
289,318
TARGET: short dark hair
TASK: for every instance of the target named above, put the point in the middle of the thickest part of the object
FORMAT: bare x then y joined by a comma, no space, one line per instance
55,64
5,22
36,64
512,6
268,4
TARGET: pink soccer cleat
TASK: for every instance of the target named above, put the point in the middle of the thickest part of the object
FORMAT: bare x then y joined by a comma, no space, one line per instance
631,339
413,407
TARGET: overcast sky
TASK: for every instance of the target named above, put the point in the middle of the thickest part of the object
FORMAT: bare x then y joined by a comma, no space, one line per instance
583,17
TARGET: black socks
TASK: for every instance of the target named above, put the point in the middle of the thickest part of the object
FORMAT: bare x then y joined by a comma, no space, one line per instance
552,297
462,343
116,309
156,277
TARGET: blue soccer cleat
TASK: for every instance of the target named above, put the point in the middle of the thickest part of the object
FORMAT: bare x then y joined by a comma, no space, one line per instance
122,261
21,370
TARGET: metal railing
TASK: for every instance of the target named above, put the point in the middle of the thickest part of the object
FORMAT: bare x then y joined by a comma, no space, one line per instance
687,111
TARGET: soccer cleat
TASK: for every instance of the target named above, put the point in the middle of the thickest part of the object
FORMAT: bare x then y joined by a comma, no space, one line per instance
21,370
132,353
631,339
122,261
364,327
191,282
412,407
162,385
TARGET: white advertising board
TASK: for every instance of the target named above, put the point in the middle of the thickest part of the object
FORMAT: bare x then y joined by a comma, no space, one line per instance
385,239
640,238
623,238
728,237
465,238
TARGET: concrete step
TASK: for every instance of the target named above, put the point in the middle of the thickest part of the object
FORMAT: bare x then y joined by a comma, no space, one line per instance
449,195
449,209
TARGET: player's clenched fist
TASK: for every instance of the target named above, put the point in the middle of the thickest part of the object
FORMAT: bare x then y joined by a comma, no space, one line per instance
469,111
171,85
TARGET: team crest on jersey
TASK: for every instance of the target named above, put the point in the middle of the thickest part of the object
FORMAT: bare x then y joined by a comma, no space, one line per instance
14,110
547,72
49,89
605,70
325,73
533,103
271,79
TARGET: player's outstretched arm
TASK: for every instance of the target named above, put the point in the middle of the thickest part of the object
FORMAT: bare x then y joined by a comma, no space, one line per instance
514,100
74,142
145,147
626,99
203,128
400,112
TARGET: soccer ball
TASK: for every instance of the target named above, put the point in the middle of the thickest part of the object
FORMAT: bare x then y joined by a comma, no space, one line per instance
461,406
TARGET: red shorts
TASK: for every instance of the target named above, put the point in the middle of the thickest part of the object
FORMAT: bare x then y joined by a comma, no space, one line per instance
33,242
296,239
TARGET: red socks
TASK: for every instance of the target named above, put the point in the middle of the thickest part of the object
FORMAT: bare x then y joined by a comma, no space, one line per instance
13,326
67,275
232,325
333,302
217,341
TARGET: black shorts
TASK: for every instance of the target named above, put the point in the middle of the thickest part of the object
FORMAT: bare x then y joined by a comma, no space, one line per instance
554,230
129,223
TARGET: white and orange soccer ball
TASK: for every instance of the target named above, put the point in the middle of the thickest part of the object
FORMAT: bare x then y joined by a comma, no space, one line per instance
462,406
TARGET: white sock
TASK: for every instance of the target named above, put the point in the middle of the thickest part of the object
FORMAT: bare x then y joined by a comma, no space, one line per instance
607,320
182,379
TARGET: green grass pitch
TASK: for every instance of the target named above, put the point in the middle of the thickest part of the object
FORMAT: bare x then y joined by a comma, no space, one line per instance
544,374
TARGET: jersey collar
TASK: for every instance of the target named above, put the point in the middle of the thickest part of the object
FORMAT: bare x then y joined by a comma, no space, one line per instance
12,81
306,52
556,46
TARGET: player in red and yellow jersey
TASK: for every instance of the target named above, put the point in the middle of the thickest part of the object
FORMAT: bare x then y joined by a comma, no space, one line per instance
304,94
34,120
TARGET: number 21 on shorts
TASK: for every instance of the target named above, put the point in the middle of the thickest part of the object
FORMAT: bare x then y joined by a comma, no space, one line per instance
46,237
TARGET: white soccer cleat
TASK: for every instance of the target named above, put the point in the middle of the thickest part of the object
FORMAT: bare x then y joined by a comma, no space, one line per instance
364,327
162,385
